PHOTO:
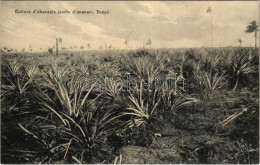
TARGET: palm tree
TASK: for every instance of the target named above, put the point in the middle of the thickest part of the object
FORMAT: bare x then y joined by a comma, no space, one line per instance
240,42
210,11
81,48
89,46
30,48
253,27
126,43
149,42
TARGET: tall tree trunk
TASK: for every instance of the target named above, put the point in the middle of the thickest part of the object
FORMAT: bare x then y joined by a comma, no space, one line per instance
57,46
255,38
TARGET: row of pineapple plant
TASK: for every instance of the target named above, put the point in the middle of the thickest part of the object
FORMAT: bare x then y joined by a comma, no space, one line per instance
59,102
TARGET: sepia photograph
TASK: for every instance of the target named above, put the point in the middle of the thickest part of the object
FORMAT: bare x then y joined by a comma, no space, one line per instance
129,82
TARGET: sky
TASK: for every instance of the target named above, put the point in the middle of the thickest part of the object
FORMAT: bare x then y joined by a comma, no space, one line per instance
169,24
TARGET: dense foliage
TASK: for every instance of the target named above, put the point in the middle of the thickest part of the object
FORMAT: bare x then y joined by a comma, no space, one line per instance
88,107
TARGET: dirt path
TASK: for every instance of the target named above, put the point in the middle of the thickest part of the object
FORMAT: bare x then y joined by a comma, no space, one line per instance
161,151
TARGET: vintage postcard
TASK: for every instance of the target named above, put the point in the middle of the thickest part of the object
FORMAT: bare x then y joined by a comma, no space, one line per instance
129,82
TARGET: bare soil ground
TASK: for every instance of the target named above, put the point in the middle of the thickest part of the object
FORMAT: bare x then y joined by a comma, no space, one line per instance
186,146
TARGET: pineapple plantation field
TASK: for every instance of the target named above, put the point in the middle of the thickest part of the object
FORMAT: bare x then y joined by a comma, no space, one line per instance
137,106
